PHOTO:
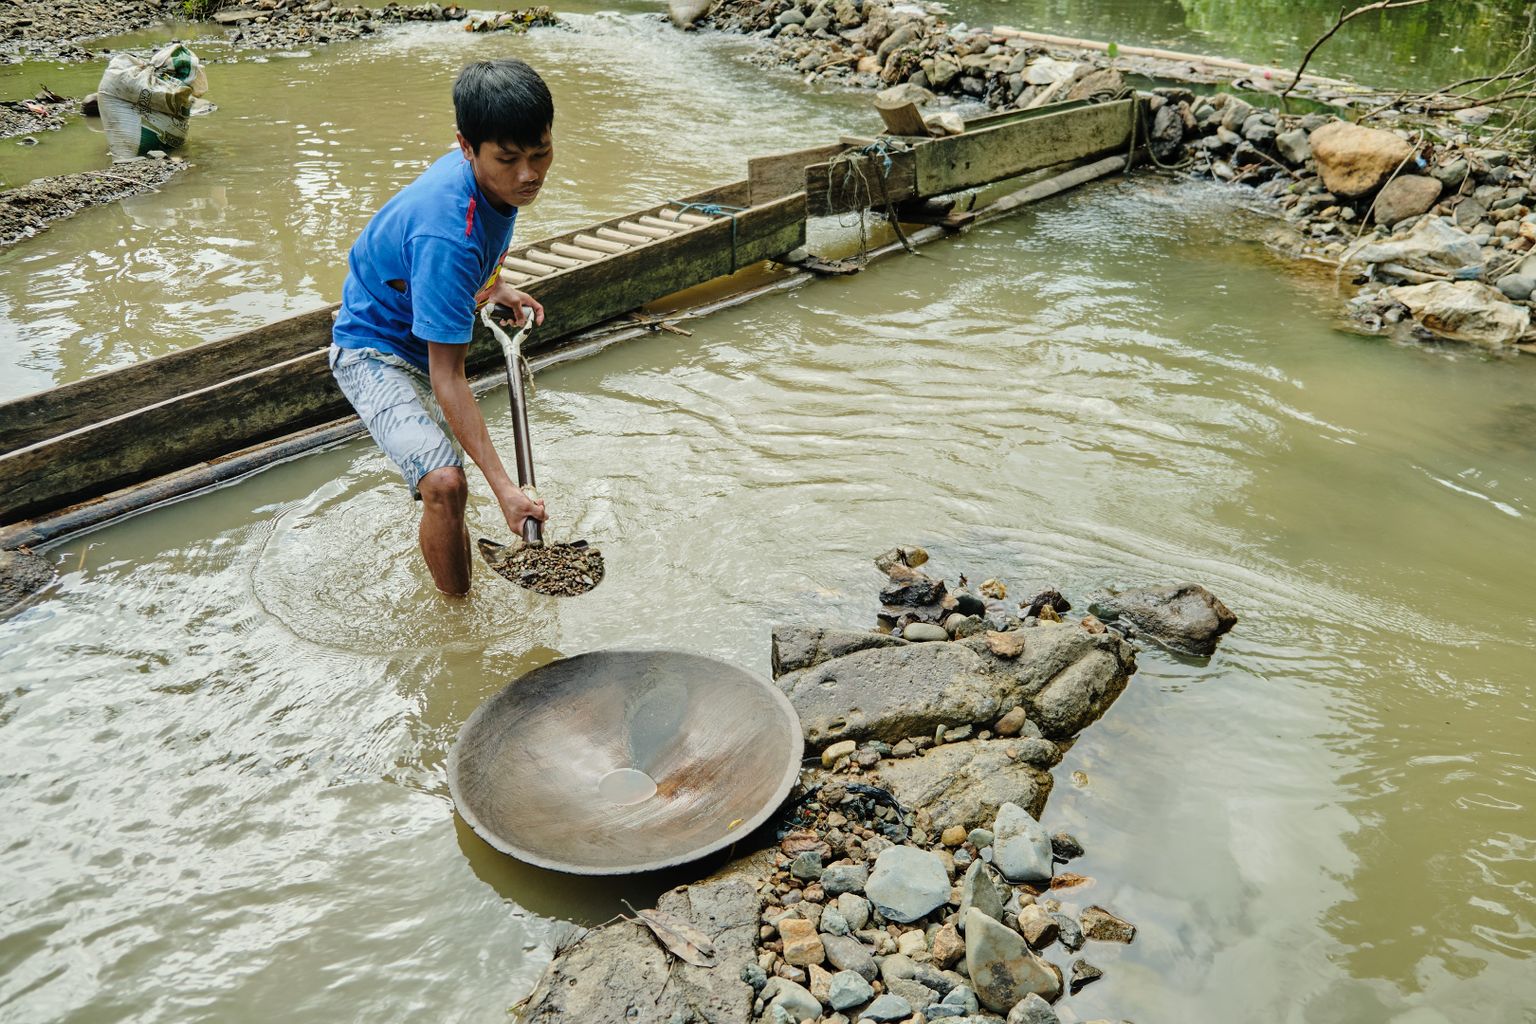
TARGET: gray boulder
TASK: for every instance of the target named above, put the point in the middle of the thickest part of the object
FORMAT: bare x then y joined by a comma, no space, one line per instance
796,647
1464,311
1003,970
22,574
1021,849
1517,286
907,884
1433,246
965,783
616,967
1293,147
1185,617
1407,195
1093,669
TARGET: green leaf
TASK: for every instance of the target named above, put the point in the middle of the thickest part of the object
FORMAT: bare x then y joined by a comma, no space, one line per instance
1114,50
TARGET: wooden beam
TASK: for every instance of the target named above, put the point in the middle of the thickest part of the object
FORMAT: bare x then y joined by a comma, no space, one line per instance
902,118
852,181
1017,147
783,174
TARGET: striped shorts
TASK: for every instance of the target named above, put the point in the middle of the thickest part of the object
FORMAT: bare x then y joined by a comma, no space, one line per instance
396,404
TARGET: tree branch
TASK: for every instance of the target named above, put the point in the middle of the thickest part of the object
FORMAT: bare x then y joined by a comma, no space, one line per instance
1379,5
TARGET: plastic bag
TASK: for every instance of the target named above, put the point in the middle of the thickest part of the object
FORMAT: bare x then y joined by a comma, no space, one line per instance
145,104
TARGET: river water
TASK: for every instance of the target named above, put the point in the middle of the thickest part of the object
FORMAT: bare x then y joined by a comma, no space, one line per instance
226,725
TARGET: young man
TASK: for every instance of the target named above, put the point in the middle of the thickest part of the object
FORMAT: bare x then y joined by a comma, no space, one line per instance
416,275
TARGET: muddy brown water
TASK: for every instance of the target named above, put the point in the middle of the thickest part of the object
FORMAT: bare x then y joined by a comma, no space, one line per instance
226,725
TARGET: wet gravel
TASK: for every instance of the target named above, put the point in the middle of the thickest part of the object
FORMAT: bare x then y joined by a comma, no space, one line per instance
558,570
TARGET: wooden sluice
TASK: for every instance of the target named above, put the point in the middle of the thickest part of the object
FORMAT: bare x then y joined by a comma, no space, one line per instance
81,454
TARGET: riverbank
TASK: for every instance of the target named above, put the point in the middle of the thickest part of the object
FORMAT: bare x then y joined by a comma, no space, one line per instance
909,877
46,30
30,208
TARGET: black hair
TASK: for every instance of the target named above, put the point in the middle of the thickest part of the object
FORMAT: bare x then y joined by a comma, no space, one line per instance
502,101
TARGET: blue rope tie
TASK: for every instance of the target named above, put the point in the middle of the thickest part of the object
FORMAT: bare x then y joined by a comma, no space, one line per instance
715,210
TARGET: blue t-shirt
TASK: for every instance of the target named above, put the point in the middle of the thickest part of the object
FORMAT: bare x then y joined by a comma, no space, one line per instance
441,240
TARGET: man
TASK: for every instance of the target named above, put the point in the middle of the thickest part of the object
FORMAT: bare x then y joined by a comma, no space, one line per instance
416,275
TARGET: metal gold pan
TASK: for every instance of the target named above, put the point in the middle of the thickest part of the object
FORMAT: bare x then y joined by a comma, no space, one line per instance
617,762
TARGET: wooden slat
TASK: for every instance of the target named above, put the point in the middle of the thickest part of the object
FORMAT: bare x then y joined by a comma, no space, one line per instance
656,222
783,174
902,118
641,229
623,237
540,256
851,182
529,267
600,244
1016,147
576,252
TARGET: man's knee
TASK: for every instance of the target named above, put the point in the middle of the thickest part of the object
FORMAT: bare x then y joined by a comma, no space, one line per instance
445,490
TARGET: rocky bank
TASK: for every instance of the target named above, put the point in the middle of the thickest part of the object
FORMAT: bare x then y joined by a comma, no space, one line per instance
909,878
30,208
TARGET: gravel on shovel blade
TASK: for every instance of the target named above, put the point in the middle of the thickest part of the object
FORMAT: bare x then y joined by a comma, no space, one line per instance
559,570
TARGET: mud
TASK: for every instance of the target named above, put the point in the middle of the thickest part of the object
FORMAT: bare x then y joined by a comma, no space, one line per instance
30,208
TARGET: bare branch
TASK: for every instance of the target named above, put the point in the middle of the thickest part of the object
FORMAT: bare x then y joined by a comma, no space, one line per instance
1379,5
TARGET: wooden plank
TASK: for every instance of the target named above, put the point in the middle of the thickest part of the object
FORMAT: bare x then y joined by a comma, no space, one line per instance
1014,148
902,118
32,418
783,174
1009,116
169,435
852,182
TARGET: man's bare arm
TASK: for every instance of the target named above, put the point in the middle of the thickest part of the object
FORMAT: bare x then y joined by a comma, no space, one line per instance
449,385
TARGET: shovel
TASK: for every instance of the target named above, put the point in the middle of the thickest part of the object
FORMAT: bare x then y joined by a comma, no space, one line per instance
559,570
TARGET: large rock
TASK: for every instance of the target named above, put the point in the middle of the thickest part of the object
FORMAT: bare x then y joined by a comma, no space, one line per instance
965,783
22,574
1105,82
685,12
1184,617
1021,847
907,884
1067,676
796,647
1356,161
1433,246
1003,970
892,693
1464,311
984,889
1293,146
1406,195
619,974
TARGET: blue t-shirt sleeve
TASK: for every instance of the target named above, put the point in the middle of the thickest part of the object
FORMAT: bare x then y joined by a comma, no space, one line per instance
444,280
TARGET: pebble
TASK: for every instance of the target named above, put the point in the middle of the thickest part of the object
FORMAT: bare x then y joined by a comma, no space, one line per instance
908,884
953,836
833,922
887,1008
847,953
1517,286
1032,1010
1101,925
853,907
1021,847
838,879
1002,967
984,889
1065,846
1083,973
848,990
835,751
924,632
807,866
802,946
1069,935
980,837
911,943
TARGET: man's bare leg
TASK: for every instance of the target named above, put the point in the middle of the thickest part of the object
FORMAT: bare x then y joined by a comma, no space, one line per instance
444,535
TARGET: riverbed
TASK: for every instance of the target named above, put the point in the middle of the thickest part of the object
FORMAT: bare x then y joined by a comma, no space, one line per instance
227,723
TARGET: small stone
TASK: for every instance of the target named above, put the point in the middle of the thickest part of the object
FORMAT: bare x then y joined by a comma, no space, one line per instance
963,996
1101,925
1407,195
984,889
911,943
1008,644
1065,847
1070,935
1293,147
1092,624
792,998
917,995
1022,847
806,866
908,884
840,749
953,836
820,982
1011,723
847,953
1517,286
1032,1010
853,907
1038,927
994,588
848,990
754,975
924,632
948,946
979,838
802,946
1083,973
838,879
1049,614
963,858
888,1007
833,922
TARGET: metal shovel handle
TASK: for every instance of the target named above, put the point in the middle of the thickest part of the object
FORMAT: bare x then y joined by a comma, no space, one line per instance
511,349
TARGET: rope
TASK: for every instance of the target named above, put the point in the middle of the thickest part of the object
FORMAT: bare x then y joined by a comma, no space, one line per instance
853,162
715,210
